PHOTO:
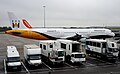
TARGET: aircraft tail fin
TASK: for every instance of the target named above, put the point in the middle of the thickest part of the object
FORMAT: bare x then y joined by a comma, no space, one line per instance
17,23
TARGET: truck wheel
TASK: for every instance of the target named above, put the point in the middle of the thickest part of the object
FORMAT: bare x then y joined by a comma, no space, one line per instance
69,58
7,68
61,63
19,68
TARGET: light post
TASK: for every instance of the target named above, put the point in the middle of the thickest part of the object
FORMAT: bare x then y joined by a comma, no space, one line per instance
44,15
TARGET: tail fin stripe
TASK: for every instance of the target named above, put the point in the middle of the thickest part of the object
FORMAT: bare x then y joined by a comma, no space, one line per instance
26,24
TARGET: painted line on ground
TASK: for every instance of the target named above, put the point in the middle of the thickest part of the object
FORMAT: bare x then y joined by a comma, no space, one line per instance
5,67
71,66
48,66
25,68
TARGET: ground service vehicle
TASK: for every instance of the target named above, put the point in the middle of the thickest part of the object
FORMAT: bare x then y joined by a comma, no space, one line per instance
51,53
13,58
73,51
102,49
32,55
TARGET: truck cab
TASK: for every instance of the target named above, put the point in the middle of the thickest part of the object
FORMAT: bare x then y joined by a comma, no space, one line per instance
77,57
102,49
51,53
32,55
13,58
60,55
112,48
73,51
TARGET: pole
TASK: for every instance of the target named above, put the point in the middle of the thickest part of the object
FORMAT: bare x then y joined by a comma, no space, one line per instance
44,15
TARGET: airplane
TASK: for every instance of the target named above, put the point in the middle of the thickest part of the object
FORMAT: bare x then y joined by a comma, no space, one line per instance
22,28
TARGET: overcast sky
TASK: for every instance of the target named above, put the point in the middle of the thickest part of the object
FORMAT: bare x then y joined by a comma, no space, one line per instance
63,12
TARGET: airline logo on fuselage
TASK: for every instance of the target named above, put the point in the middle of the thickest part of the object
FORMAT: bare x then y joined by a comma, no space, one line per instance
15,23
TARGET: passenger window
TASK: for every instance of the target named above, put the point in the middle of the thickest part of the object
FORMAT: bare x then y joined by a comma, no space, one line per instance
51,46
44,47
87,42
104,45
63,46
98,44
90,43
40,45
48,54
112,44
69,47
94,44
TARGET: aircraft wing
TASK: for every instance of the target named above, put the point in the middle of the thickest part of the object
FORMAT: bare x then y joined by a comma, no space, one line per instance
74,37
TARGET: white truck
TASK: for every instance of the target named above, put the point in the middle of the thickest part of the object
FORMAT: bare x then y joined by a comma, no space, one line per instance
73,51
50,52
104,49
32,55
13,58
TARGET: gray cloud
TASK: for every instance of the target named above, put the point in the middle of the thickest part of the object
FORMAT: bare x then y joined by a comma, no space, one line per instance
63,12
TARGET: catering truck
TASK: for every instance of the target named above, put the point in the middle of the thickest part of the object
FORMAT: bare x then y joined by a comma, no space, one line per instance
104,49
51,53
13,58
73,51
32,55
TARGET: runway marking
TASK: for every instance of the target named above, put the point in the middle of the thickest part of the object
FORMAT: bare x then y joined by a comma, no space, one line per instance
48,72
25,68
5,67
102,62
48,66
71,66
87,64
39,71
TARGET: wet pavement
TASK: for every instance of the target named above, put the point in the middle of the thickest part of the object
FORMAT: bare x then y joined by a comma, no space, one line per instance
91,66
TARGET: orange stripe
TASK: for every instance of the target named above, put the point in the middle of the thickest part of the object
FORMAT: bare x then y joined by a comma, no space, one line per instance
27,34
26,24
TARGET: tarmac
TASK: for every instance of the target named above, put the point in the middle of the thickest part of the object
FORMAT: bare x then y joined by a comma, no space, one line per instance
91,66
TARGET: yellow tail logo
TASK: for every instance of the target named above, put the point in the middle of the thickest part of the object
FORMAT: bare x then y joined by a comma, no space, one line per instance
15,23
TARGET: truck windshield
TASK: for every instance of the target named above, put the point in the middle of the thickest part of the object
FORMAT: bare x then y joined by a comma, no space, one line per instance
34,57
13,59
60,53
76,47
79,55
113,49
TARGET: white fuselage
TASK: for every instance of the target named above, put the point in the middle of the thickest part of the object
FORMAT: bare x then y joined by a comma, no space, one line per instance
63,33
23,29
